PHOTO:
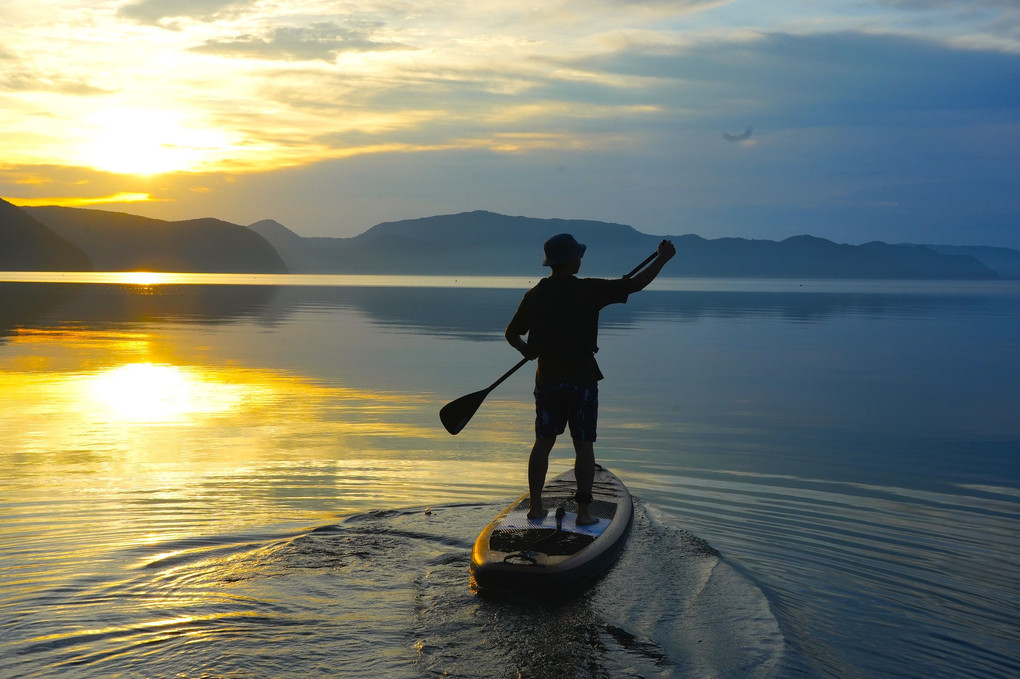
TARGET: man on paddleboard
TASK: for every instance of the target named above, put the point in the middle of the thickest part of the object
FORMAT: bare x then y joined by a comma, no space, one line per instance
560,317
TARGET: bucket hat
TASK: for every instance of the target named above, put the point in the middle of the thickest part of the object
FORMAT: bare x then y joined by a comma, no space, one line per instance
562,248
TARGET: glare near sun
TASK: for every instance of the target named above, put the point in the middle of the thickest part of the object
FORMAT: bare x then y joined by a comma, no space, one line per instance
149,142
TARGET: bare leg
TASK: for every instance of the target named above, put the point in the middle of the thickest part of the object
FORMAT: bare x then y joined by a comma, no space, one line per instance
538,465
584,472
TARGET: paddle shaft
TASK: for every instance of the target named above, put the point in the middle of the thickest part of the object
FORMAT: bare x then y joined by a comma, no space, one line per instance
508,373
648,260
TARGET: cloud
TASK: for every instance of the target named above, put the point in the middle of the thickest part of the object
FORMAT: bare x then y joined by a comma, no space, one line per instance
319,41
30,82
978,20
813,80
677,6
955,5
157,11
640,98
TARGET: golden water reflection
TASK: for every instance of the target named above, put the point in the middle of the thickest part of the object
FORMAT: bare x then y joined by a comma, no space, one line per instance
147,421
163,411
144,278
147,392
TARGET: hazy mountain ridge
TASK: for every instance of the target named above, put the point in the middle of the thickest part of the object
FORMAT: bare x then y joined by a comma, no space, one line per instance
1004,261
469,243
480,242
492,244
117,241
28,245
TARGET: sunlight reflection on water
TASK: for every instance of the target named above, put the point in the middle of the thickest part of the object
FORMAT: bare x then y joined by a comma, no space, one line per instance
145,279
147,392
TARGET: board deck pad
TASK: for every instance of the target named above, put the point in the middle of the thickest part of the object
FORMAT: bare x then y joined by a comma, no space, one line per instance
515,548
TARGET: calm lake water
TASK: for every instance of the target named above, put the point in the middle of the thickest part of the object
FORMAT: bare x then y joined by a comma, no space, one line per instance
247,477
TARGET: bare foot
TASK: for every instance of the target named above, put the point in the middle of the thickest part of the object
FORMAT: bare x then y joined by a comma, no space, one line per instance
537,514
585,519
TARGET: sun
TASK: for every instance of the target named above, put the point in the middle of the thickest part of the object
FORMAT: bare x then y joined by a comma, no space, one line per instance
149,142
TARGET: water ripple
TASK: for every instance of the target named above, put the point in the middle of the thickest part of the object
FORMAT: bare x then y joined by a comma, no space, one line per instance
870,579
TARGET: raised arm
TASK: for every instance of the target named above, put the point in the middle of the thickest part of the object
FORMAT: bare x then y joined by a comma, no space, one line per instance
641,280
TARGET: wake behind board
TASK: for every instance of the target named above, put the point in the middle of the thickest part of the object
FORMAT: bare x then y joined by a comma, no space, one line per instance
515,553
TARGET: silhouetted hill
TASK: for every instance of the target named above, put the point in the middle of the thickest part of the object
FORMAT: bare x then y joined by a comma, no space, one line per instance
28,245
1003,261
300,254
470,243
492,244
116,241
467,243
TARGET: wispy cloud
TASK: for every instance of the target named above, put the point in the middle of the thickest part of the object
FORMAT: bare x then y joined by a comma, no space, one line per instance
951,5
25,81
318,41
827,78
157,11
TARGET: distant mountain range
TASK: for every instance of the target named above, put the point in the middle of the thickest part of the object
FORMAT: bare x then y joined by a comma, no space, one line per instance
492,244
470,243
114,241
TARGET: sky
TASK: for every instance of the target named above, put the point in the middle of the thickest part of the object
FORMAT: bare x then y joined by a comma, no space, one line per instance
852,120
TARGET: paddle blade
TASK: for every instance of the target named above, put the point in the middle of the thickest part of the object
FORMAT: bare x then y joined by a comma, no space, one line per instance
456,414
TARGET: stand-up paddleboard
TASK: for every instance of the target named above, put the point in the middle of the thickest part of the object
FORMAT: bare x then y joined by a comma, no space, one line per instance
515,553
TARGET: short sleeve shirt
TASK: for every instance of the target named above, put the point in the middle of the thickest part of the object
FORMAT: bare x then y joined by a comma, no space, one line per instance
560,315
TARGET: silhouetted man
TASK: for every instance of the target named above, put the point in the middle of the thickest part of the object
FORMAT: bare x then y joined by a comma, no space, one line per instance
560,317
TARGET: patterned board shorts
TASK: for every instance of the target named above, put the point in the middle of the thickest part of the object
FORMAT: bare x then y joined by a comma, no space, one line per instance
558,404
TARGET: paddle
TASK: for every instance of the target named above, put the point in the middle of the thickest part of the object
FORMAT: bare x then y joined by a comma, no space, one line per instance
456,414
